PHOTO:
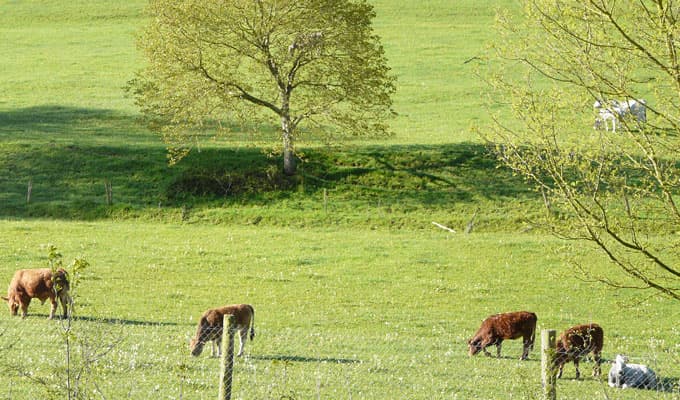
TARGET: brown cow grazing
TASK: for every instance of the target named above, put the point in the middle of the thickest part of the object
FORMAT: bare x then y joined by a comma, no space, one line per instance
210,327
39,284
575,343
499,327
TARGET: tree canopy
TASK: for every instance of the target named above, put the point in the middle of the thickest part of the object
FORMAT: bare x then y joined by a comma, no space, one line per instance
619,190
312,64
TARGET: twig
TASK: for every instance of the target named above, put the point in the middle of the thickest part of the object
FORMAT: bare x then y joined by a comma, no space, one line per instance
446,228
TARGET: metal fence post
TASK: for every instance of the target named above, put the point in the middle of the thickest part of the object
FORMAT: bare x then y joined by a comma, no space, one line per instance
547,364
227,360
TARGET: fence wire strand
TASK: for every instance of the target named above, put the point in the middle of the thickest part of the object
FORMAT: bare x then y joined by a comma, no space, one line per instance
126,358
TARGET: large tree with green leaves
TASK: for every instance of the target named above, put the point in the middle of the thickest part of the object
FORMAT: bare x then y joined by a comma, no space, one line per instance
617,191
304,65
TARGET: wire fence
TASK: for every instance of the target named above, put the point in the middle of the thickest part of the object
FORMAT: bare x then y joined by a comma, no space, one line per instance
125,358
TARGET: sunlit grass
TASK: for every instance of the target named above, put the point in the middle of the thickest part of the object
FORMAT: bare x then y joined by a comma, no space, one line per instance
357,294
340,313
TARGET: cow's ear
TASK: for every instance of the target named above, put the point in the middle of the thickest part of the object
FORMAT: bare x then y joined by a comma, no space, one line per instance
5,298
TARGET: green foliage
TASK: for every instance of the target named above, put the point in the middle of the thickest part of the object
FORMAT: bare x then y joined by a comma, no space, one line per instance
614,190
315,65
73,270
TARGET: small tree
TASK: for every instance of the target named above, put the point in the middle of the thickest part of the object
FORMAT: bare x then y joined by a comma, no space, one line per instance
311,63
73,271
616,191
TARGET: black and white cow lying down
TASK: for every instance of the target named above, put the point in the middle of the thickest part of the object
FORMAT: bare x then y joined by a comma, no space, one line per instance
626,375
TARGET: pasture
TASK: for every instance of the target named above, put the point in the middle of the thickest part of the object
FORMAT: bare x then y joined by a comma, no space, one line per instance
356,294
339,313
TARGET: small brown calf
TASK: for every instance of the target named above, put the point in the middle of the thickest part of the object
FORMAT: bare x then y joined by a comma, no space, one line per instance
499,327
575,343
38,284
210,327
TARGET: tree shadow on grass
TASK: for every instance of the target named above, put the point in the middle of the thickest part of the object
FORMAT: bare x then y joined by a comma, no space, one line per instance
301,359
123,321
513,358
104,320
57,162
52,123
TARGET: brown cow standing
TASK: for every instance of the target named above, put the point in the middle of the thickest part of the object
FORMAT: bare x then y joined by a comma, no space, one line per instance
499,327
575,343
210,327
38,284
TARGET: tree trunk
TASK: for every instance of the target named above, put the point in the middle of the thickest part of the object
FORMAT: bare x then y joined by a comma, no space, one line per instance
289,163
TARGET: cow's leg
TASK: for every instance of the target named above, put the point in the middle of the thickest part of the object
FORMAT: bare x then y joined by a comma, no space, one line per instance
578,373
559,371
486,352
65,299
484,344
244,336
23,303
498,348
53,307
596,368
527,346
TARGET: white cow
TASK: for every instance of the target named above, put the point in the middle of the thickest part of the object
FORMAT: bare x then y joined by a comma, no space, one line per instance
625,375
619,110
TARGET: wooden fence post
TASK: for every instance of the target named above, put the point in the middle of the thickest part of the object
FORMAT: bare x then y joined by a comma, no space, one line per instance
325,200
227,361
109,192
29,191
547,364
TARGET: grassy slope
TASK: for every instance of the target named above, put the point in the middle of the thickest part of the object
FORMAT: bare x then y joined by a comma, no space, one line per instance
67,127
344,310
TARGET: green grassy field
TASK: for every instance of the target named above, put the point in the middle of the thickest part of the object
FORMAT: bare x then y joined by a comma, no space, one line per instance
339,314
357,294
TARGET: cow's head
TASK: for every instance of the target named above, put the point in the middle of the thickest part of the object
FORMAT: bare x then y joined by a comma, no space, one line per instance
196,347
61,281
474,346
562,355
12,304
620,360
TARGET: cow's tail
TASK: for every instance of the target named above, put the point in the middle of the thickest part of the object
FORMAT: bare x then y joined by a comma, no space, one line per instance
252,322
533,333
